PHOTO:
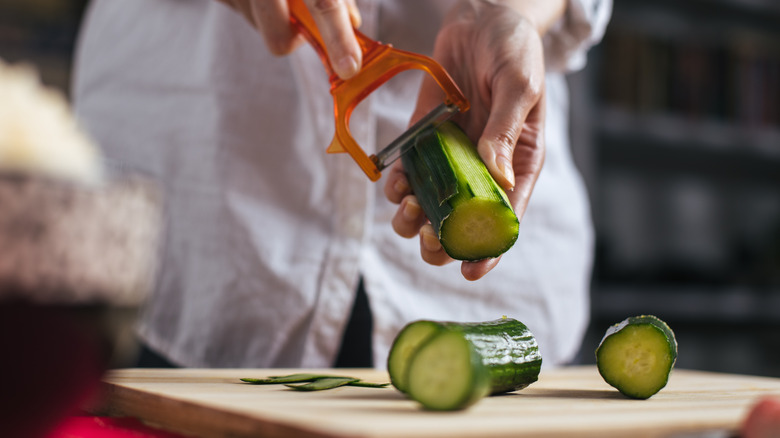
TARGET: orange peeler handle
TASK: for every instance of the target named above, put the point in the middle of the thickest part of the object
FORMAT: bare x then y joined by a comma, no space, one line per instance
380,63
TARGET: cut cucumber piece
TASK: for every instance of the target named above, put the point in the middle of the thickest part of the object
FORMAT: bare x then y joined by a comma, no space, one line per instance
637,355
447,373
405,344
508,349
469,211
450,365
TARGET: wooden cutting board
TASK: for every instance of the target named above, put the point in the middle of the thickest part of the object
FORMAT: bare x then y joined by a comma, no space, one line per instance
569,402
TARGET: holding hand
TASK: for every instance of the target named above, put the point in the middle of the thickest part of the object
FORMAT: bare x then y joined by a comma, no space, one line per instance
335,20
494,53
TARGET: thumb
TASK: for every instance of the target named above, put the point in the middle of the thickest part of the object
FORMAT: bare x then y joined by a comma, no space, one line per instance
513,120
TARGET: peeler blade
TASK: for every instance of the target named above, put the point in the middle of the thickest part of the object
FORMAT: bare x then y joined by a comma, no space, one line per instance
406,141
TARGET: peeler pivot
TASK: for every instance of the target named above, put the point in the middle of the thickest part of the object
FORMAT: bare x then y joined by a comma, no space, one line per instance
380,63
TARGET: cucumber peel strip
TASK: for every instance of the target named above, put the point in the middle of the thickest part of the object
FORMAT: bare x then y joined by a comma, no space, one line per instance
324,383
313,382
292,378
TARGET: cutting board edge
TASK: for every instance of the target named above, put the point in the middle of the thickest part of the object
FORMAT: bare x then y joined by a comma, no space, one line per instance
155,411
148,405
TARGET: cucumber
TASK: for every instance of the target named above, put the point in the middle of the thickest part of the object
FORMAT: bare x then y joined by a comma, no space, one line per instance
451,365
637,355
405,344
446,373
469,211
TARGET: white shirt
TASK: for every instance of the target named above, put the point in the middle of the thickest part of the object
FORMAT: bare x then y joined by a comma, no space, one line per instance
266,234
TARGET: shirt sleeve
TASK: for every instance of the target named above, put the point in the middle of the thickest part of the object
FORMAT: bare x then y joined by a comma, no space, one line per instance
582,26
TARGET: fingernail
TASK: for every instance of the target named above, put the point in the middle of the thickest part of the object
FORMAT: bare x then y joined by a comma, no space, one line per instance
346,67
411,209
429,240
505,167
401,187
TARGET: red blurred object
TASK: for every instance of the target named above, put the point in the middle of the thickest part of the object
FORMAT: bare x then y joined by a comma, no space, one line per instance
107,427
763,420
51,364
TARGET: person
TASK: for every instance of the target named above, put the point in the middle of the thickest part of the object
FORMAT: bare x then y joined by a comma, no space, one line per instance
277,254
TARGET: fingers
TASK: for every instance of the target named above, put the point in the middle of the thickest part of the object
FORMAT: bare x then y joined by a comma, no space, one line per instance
354,14
409,217
334,19
433,253
473,271
410,220
272,19
529,157
430,248
506,123
396,185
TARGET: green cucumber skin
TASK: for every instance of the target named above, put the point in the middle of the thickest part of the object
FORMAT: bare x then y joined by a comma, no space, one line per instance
429,175
322,384
506,348
640,320
444,183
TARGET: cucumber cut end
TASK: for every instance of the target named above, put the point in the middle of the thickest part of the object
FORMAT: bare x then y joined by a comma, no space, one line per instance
636,360
479,229
446,374
404,346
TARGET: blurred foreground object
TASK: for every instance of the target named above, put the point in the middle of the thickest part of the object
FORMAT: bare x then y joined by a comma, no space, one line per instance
77,258
763,419
38,134
69,244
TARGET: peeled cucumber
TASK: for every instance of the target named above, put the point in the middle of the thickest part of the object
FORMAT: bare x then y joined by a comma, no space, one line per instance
469,211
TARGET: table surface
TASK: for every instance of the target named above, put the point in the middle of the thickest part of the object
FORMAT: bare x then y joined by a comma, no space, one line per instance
570,402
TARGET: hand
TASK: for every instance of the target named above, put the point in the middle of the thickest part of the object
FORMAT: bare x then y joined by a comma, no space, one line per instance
494,53
335,20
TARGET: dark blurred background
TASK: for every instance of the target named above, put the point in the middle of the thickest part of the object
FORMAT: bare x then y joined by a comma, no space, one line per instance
676,129
41,33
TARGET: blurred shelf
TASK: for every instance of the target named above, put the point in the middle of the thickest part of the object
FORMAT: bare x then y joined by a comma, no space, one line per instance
753,6
681,132
735,304
680,114
663,145
41,33
714,19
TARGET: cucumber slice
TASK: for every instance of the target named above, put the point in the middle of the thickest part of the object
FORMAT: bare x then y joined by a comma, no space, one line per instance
447,373
637,355
405,344
428,355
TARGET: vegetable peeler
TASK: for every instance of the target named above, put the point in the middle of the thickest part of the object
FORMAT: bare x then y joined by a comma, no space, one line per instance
380,63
